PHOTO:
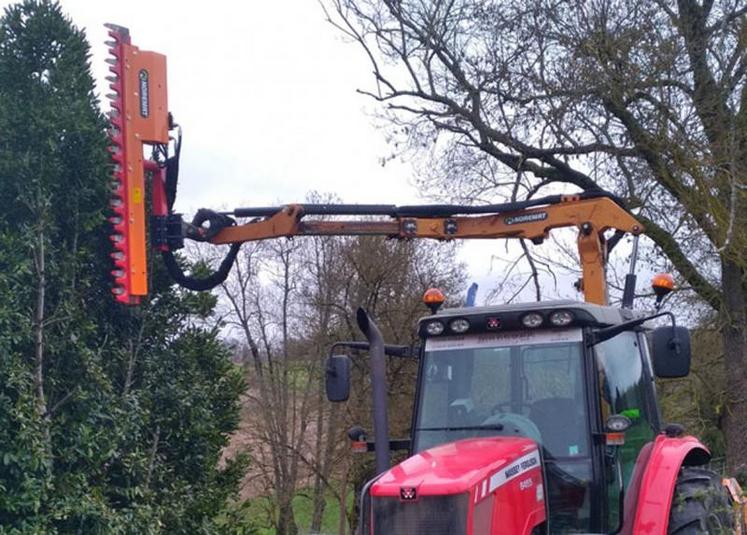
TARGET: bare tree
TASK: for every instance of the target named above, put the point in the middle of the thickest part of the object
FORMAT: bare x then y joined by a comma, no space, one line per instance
323,285
280,395
288,301
645,98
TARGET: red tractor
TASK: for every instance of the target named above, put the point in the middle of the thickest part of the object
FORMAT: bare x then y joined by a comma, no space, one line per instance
539,418
535,418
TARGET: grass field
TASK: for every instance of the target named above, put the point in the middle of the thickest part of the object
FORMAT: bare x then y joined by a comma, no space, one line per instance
258,510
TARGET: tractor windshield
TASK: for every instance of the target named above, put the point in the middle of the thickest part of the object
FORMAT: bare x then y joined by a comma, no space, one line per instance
528,383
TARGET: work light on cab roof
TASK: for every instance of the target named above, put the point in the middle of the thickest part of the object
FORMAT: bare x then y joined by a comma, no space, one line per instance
459,325
561,318
434,328
532,320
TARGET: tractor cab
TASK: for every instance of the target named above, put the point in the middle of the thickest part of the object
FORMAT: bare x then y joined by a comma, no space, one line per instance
533,371
575,380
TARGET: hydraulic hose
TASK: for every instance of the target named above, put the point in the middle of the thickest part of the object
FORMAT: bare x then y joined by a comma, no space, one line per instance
200,284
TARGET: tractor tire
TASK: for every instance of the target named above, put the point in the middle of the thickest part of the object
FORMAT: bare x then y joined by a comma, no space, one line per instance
700,504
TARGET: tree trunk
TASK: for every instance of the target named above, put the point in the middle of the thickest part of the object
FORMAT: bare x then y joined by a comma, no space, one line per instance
38,334
343,522
286,522
41,284
734,333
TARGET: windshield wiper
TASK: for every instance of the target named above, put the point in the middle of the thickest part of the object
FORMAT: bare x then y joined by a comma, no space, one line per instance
491,427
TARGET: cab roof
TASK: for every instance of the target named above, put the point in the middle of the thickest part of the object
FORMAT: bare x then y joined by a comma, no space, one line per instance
601,315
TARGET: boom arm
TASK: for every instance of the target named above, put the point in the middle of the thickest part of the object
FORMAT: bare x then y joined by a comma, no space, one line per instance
140,117
592,213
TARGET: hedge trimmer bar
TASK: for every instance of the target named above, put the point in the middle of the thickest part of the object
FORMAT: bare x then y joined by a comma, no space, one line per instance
139,116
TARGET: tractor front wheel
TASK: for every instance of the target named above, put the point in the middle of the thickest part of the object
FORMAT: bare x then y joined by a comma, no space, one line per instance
700,504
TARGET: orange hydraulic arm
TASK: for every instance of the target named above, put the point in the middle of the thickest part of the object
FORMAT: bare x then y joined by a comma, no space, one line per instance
140,117
592,213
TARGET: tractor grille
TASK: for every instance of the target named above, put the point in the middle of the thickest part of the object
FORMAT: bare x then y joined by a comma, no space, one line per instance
429,515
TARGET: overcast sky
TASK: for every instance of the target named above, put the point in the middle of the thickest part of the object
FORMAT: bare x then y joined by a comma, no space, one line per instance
266,95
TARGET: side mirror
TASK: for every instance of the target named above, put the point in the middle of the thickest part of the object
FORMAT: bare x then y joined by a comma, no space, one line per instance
337,378
671,352
357,434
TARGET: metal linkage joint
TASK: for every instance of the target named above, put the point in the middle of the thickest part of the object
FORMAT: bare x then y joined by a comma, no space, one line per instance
166,232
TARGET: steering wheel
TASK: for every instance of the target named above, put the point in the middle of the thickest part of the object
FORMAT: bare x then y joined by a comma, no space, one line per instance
505,407
515,424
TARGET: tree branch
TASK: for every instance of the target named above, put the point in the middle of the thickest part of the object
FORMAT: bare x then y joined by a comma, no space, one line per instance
669,245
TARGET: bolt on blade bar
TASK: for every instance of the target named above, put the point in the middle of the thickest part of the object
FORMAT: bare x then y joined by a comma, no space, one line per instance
138,116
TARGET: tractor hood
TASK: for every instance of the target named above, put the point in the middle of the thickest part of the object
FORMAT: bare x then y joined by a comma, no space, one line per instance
476,465
476,486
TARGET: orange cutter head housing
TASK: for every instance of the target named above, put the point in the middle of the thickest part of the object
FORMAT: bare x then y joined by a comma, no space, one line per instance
139,116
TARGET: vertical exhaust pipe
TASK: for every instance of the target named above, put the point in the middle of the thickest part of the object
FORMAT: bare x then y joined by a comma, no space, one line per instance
379,387
630,278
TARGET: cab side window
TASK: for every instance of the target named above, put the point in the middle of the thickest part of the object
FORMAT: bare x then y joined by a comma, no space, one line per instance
623,384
